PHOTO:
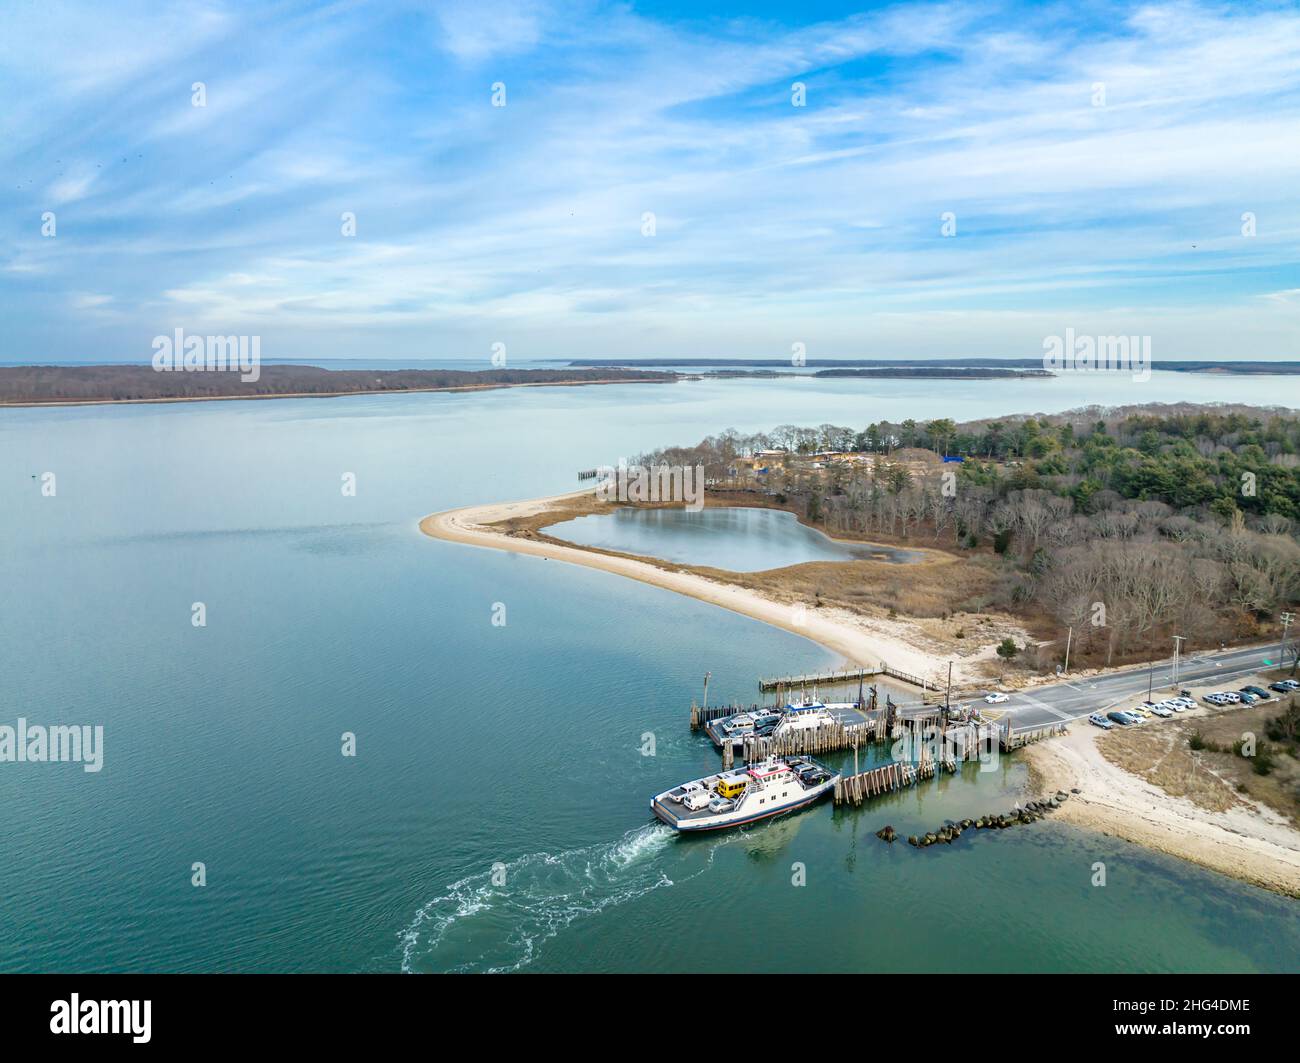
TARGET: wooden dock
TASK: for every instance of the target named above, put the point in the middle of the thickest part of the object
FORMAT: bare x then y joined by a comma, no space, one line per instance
955,746
854,789
841,677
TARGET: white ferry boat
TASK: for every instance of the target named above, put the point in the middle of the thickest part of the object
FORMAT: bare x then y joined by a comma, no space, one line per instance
774,723
735,729
807,716
730,799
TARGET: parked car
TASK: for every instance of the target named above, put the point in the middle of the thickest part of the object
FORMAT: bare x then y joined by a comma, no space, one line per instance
996,698
1098,720
1163,710
1216,699
1287,684
1281,687
1259,693
1246,698
1121,718
1181,704
1232,696
1140,711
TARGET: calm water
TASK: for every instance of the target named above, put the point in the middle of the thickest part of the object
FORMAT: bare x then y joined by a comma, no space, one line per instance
477,744
741,540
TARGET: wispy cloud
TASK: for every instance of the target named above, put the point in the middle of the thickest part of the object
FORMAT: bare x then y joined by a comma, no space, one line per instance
1101,168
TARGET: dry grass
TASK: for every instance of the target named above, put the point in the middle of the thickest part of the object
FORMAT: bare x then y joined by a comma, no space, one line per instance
924,589
933,587
1160,752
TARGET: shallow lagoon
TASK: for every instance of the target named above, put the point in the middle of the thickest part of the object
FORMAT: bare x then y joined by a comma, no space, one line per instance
736,538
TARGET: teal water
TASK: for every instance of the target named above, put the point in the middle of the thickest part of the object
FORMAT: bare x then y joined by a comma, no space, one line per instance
737,539
477,745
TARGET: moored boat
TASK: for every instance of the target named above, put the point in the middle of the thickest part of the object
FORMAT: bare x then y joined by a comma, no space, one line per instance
773,723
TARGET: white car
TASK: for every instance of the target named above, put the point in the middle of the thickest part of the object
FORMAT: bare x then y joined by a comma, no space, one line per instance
1162,710
996,698
1098,720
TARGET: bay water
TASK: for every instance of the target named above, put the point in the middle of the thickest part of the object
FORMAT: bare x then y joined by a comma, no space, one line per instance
495,815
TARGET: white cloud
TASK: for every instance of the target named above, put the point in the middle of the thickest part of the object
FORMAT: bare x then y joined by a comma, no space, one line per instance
770,219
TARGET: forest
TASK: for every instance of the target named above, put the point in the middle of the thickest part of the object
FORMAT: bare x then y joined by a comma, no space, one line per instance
1123,526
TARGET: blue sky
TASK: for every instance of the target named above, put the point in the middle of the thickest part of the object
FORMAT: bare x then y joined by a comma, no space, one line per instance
773,224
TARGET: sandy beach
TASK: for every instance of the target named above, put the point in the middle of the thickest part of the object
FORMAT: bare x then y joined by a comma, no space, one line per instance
1248,842
854,638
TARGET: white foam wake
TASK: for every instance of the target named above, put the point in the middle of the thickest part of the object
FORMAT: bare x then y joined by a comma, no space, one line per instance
478,925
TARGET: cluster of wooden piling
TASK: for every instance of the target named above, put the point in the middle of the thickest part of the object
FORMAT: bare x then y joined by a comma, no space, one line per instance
828,738
854,789
703,714
955,745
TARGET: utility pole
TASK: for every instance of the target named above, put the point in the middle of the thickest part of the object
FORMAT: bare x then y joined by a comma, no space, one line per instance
1281,650
1178,646
1068,639
947,698
706,688
1150,673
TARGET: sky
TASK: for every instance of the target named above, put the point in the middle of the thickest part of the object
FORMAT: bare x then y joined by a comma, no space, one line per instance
902,180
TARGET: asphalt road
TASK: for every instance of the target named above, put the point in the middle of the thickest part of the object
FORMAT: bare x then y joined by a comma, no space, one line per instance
1071,699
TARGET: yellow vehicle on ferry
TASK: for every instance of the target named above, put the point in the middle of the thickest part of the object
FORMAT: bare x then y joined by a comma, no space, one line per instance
732,784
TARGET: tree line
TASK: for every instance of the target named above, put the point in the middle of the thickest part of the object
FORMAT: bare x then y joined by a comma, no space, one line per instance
1122,526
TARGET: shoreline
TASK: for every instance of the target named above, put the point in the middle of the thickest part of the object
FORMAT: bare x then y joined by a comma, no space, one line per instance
11,404
856,642
1251,844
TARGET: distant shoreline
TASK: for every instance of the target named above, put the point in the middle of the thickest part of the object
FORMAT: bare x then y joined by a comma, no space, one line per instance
93,384
1243,368
66,377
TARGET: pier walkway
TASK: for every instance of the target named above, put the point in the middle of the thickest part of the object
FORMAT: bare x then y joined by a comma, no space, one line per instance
840,677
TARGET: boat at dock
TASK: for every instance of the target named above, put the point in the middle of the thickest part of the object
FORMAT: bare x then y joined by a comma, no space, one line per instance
743,725
766,788
776,723
808,715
